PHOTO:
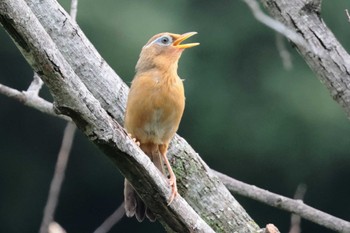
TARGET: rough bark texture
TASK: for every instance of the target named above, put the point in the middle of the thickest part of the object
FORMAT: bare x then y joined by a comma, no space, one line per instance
331,63
85,88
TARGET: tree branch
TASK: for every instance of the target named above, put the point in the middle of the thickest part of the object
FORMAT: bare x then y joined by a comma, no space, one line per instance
347,14
35,85
295,221
58,177
107,225
73,9
274,24
283,51
31,100
333,67
291,205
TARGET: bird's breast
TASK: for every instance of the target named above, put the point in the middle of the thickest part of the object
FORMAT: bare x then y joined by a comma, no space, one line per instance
154,109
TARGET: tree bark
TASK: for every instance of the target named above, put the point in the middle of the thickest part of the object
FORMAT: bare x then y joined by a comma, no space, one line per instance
331,64
85,88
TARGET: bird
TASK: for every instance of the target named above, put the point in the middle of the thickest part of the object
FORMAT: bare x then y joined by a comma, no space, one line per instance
155,106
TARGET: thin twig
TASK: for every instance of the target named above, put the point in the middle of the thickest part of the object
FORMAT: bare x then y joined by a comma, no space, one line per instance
285,203
274,24
74,9
35,85
295,222
280,27
347,14
112,220
58,177
283,51
30,100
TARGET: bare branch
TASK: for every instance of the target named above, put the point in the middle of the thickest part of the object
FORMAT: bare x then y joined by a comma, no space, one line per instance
74,9
347,14
31,100
58,177
288,204
296,219
331,62
284,53
35,85
274,24
111,220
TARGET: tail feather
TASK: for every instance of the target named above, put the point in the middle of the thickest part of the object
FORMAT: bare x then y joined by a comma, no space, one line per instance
130,202
140,210
133,204
150,215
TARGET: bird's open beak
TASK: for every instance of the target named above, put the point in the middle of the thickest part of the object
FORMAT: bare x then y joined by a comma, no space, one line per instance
177,42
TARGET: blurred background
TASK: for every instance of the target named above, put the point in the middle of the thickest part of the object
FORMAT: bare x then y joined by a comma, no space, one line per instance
246,115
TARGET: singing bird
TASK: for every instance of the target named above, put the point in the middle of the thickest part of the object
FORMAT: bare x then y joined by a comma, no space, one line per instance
155,105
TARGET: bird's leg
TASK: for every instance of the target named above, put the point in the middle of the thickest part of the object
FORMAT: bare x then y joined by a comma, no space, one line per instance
172,179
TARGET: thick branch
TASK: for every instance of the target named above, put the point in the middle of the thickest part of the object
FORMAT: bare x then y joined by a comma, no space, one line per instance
103,95
333,67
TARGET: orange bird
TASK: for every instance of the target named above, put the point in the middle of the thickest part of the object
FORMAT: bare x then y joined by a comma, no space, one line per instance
154,109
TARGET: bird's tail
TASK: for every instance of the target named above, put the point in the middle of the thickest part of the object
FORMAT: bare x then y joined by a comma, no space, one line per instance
133,203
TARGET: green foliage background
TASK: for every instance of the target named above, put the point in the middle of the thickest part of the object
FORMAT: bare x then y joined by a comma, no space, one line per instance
245,114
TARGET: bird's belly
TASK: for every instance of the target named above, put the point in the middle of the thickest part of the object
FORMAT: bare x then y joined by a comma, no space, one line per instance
160,127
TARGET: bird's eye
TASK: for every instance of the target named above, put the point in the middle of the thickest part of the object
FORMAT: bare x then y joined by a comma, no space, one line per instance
165,40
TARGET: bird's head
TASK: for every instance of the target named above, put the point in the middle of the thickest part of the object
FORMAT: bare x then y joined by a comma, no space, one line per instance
163,51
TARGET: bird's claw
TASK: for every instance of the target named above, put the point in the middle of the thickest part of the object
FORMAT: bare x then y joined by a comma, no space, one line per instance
134,139
172,182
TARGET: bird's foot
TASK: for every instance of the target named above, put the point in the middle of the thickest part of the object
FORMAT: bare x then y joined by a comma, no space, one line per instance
173,185
134,139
